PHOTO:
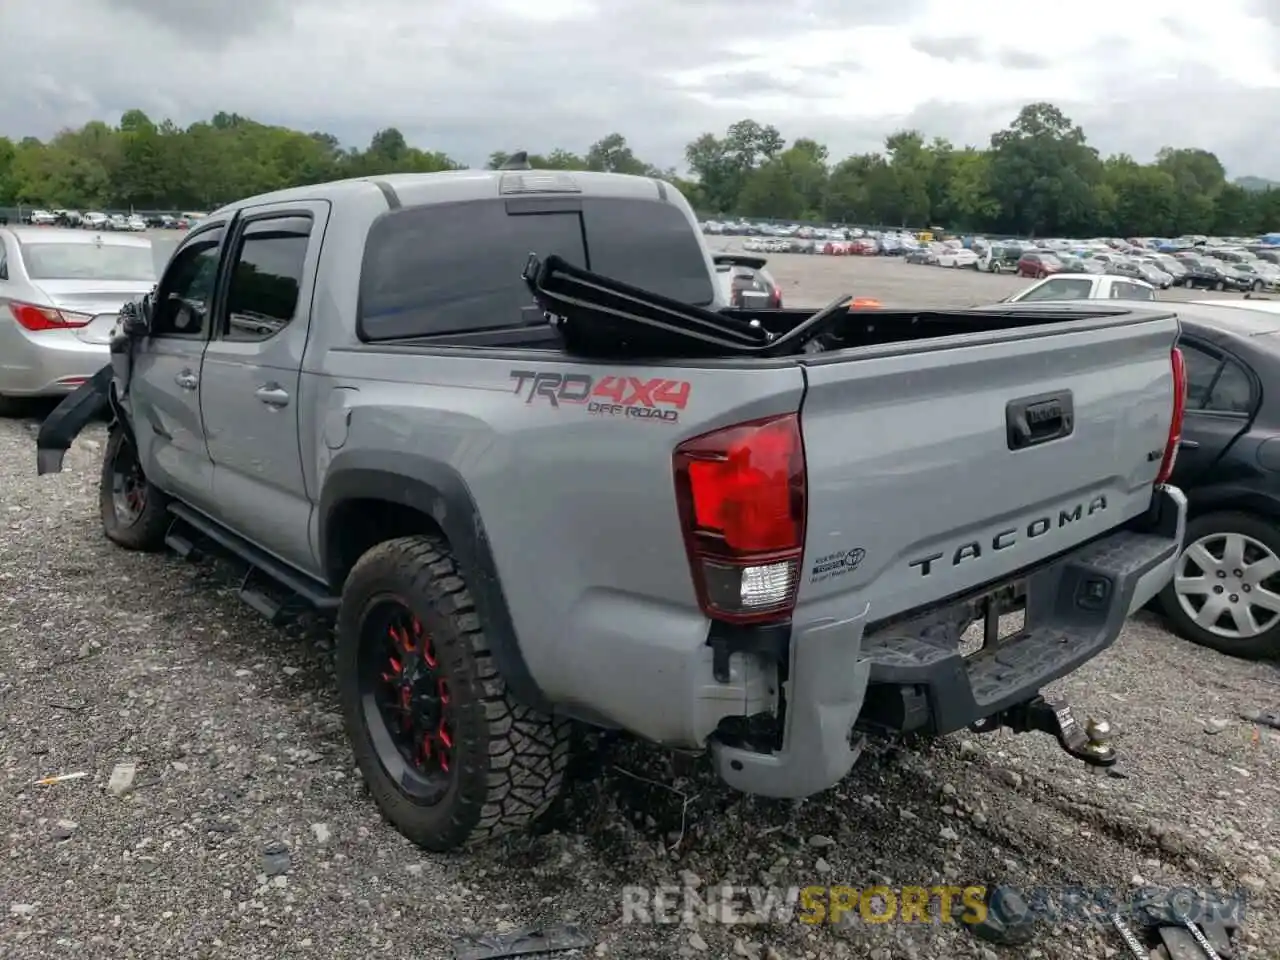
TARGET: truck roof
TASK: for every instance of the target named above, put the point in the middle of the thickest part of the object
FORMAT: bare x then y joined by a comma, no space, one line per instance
415,189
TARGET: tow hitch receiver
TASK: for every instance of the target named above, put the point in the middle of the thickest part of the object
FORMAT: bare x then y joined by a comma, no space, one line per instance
1090,743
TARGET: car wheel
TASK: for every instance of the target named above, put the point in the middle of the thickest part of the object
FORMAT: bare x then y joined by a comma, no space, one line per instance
1220,285
449,757
134,511
1256,285
1225,592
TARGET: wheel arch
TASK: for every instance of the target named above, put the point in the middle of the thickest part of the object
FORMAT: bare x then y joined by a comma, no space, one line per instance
362,506
1223,498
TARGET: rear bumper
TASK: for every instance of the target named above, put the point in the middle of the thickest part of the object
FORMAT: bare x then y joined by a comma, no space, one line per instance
49,363
911,676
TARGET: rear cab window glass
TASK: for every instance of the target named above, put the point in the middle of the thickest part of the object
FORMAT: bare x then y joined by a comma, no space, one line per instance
456,268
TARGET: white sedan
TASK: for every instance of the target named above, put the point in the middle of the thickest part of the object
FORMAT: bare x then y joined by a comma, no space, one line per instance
957,258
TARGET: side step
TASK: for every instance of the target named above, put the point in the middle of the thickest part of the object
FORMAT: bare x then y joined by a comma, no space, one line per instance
266,577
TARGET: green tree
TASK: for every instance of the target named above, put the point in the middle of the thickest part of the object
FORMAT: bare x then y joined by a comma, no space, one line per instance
1039,177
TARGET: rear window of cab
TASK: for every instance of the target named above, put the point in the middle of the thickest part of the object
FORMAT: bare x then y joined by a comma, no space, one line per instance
455,268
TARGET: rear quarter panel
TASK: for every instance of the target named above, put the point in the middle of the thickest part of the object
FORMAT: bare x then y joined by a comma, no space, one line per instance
577,501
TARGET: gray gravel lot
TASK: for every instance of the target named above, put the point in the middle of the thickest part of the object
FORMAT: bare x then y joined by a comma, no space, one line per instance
108,657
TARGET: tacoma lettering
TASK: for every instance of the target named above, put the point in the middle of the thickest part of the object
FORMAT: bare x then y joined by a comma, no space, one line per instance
1004,539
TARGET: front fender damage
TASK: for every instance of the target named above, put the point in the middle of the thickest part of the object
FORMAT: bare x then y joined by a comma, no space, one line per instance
66,421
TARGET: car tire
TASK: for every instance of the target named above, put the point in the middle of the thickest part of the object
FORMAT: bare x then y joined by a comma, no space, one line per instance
1220,285
1204,531
1256,285
135,513
508,760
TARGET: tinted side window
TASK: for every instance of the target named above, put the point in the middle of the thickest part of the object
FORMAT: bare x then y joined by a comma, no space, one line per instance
1233,392
649,244
4,264
455,268
187,287
1201,371
266,276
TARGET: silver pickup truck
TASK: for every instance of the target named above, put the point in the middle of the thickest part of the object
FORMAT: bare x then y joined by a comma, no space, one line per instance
578,487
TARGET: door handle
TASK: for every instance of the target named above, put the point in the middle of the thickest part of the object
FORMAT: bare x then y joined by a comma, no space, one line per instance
272,395
1189,444
186,380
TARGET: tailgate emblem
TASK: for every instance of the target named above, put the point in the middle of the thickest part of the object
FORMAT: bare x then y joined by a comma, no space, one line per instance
1012,536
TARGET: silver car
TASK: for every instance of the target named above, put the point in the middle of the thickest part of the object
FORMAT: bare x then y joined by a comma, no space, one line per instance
60,291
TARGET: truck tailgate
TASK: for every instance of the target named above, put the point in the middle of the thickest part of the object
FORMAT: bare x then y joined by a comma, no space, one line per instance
934,468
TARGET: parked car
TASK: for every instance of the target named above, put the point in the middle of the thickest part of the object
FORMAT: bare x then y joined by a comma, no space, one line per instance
94,221
1176,269
1226,591
957,257
1037,264
927,255
41,218
1206,273
60,291
1260,275
745,283
1084,286
692,496
1000,258
1138,269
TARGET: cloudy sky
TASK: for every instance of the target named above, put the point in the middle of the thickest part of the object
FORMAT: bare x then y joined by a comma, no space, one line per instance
470,77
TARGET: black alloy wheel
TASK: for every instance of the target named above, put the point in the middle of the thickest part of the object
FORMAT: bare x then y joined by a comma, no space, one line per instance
406,700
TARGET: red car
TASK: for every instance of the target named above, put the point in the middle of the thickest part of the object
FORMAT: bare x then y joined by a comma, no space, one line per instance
1038,265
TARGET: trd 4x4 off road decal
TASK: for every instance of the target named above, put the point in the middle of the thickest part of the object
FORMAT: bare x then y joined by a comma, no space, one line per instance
608,396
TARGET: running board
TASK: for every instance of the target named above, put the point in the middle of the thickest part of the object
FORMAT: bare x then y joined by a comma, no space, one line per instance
297,586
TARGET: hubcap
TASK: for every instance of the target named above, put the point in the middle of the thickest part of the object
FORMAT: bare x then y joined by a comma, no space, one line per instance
1227,583
406,700
128,485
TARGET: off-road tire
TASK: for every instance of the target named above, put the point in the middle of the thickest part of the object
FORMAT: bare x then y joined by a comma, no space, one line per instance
1266,645
509,759
146,532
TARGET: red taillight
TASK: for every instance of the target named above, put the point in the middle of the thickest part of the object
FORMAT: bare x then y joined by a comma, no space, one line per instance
741,492
36,318
1179,409
775,298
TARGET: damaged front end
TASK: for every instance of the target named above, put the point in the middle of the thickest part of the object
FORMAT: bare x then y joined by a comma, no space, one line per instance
106,389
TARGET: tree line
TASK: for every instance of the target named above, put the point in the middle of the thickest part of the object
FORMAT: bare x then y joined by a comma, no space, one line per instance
1039,176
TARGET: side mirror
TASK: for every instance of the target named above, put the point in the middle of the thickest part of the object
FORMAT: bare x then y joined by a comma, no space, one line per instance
135,317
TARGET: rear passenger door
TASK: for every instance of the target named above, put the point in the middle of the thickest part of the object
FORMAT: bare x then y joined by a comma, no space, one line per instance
249,391
1222,395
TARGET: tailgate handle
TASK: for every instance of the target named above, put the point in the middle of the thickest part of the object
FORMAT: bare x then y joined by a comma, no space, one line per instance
1034,420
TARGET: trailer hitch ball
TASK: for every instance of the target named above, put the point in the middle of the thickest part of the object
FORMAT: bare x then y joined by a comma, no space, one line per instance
1089,742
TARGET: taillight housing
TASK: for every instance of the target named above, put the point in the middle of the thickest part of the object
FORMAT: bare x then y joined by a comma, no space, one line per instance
1179,410
775,298
741,493
36,318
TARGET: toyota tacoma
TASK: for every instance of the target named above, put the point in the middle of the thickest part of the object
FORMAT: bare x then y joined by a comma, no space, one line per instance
503,426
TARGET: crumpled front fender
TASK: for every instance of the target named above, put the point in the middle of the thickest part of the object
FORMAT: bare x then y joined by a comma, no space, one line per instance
66,421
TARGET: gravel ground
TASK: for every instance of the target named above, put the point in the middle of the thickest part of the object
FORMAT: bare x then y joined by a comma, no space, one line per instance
109,657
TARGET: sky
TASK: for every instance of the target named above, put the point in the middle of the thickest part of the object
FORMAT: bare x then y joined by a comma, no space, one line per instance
472,77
